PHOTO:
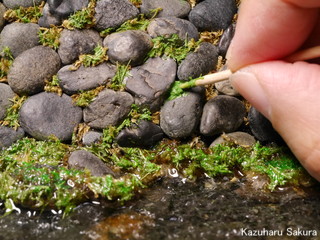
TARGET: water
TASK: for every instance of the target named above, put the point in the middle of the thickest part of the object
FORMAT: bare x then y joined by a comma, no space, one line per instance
175,209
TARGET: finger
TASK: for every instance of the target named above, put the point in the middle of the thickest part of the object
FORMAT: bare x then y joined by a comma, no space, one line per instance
288,95
268,30
305,3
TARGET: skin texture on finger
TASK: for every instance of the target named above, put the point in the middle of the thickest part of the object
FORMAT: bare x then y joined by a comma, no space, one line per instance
304,3
288,95
269,30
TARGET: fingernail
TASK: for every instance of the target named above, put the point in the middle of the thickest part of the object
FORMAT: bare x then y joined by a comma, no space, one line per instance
248,86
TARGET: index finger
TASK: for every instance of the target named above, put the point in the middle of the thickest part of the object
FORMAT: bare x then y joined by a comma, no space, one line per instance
269,30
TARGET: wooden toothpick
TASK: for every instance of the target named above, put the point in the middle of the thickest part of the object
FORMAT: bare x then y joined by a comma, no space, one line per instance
305,54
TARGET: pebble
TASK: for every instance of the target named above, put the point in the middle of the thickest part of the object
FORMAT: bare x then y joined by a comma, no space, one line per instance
225,87
150,82
166,26
170,8
55,11
19,37
240,138
130,46
19,3
6,94
144,134
47,19
261,127
47,114
113,13
73,43
8,136
91,137
2,20
198,63
225,40
109,108
63,8
32,68
179,118
213,15
85,78
81,159
222,114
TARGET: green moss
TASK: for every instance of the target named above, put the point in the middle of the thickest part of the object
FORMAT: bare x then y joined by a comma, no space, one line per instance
12,114
172,47
25,15
34,173
50,37
83,18
84,98
117,81
137,3
6,60
53,85
90,60
139,23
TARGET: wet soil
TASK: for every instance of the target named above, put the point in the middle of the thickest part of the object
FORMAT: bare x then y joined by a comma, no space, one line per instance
176,209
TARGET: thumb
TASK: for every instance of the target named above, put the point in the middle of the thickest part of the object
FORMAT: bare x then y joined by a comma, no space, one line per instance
288,95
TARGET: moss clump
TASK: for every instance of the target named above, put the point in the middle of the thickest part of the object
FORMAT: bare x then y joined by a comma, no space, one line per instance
139,23
137,3
90,60
25,15
50,37
84,98
12,115
6,60
53,85
172,47
118,79
83,18
34,173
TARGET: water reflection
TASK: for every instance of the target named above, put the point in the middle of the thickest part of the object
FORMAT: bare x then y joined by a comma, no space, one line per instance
172,209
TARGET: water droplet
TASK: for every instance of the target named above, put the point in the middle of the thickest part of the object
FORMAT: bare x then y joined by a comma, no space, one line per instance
173,173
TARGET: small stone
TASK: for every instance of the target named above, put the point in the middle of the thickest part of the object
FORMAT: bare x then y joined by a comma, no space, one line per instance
144,134
222,114
225,40
6,94
91,137
2,20
150,82
213,15
32,68
47,114
166,26
8,136
179,118
130,46
47,19
63,8
113,13
261,127
18,3
240,138
81,159
108,109
226,88
19,37
85,78
198,63
76,42
169,8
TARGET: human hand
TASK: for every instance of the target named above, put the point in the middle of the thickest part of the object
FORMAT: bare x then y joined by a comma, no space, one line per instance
287,94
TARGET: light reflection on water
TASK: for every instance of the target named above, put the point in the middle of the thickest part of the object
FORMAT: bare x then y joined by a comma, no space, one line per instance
173,209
